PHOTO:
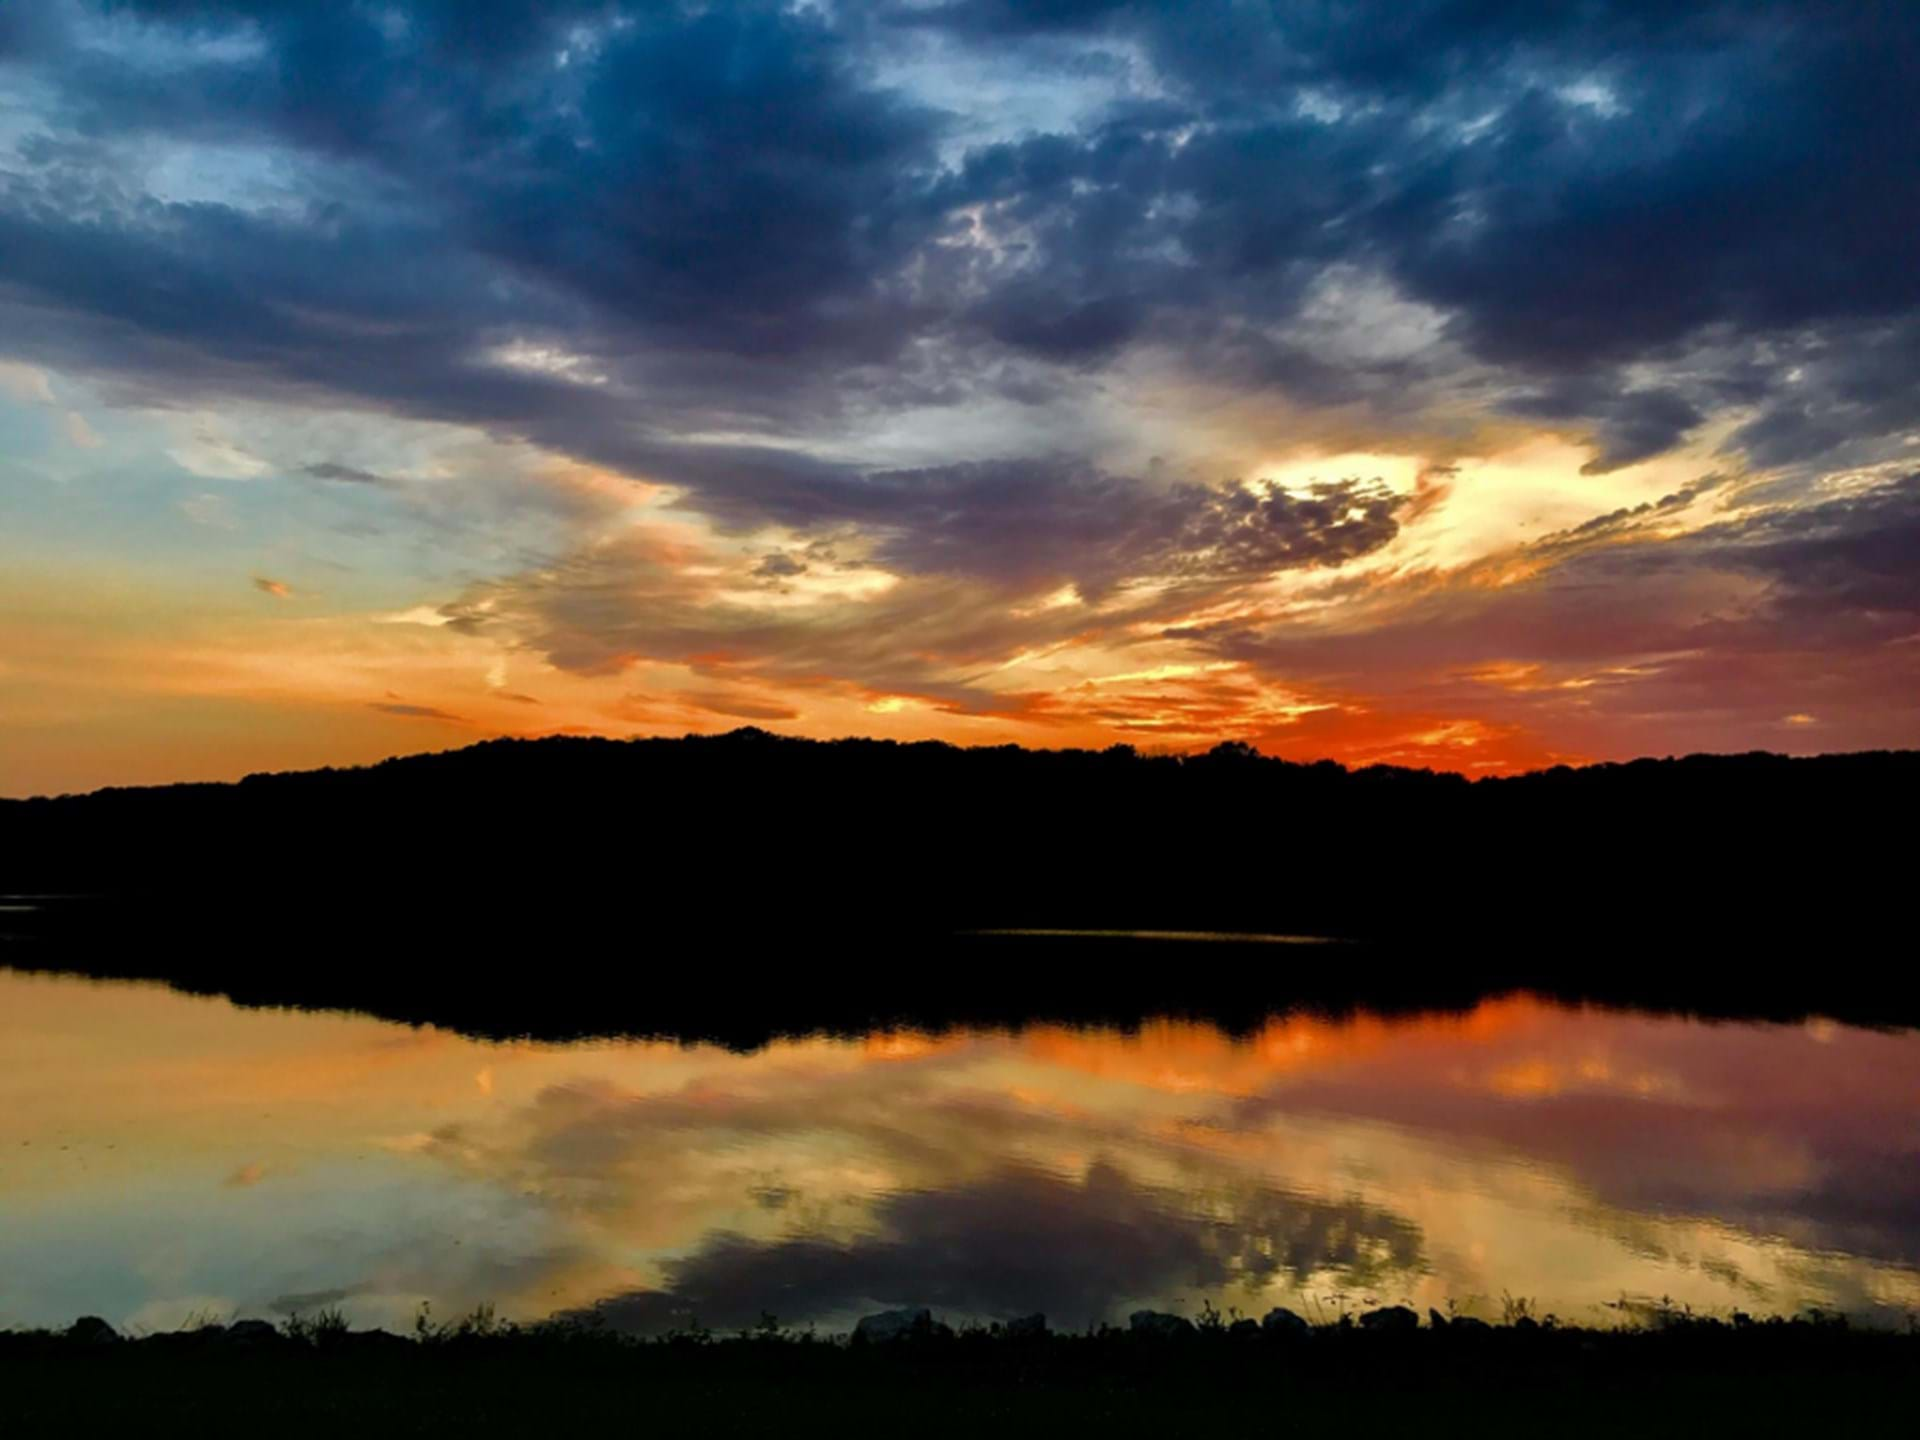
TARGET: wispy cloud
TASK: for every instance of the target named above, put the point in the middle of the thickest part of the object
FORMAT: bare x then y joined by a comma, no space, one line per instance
415,712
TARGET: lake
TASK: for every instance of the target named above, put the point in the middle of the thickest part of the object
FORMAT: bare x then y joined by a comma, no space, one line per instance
165,1156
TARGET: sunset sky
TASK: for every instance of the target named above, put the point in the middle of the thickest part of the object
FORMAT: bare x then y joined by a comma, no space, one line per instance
1456,383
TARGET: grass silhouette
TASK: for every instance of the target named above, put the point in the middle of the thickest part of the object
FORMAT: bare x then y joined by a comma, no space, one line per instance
1670,1374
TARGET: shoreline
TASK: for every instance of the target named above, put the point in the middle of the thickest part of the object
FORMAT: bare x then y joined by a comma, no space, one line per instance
1686,1376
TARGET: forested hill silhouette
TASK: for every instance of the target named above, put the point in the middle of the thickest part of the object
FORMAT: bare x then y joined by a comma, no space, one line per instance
744,884
716,829
751,830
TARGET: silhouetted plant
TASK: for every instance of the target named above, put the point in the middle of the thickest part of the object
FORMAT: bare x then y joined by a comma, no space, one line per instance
316,1329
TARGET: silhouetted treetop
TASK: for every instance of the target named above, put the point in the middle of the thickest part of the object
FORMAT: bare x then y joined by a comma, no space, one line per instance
741,828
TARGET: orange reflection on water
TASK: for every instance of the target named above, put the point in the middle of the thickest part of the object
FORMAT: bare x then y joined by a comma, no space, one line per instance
1185,1055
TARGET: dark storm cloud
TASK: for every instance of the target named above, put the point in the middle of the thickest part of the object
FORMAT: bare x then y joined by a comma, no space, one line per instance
1854,555
474,31
728,219
724,171
1020,1241
1012,17
27,30
757,199
1026,523
1629,425
1241,45
1844,387
1737,163
206,297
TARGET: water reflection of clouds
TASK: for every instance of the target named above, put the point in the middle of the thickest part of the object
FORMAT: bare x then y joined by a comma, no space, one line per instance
924,1183
1018,1240
281,1161
1772,1130
1583,1155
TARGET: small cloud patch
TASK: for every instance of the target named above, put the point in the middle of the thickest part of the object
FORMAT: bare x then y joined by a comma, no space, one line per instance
415,712
343,474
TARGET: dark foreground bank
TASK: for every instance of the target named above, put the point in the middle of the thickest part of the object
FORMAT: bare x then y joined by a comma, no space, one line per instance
1685,1378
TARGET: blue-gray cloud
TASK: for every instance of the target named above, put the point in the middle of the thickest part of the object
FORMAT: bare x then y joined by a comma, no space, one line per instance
738,219
1019,1241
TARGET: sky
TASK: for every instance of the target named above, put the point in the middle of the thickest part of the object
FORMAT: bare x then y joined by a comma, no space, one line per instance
1457,383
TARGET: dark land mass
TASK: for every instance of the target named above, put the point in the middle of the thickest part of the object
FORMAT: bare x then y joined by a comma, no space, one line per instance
1776,1378
744,885
744,999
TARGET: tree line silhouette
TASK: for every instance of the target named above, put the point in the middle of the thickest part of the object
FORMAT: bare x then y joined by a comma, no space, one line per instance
826,876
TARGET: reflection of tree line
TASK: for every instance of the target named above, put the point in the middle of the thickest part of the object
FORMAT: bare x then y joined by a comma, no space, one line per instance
744,885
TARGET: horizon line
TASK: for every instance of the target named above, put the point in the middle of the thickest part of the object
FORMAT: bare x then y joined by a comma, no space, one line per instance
754,733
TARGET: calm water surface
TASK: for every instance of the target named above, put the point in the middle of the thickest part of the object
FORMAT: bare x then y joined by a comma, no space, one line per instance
163,1156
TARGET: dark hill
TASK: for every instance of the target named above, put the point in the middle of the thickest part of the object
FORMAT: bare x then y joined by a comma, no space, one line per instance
779,867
